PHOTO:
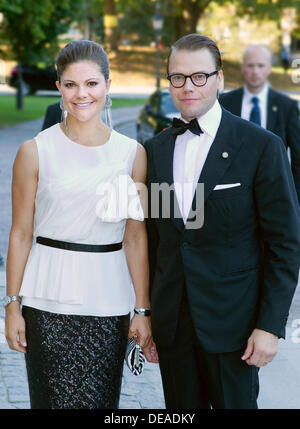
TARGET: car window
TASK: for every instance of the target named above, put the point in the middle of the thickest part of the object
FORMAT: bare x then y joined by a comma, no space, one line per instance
167,105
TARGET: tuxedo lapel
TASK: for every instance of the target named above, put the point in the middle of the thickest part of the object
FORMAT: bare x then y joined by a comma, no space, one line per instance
272,110
163,161
219,158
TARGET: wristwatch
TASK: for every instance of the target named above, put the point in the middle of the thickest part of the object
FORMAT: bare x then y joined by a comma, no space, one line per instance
8,299
143,311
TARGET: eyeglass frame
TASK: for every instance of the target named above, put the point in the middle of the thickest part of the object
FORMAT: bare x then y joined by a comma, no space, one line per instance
207,75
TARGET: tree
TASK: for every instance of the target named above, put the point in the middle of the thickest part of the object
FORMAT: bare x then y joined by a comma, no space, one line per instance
7,5
187,14
296,32
260,9
135,20
110,25
90,20
31,28
180,17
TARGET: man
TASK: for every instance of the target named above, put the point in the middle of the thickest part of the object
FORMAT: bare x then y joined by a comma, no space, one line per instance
221,292
258,102
53,116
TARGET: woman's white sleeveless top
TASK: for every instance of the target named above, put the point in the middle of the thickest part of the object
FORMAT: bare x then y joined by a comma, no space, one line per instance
84,195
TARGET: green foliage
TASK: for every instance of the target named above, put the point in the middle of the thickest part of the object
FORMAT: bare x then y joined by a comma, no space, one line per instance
181,16
296,31
10,6
261,9
233,34
90,19
136,20
31,27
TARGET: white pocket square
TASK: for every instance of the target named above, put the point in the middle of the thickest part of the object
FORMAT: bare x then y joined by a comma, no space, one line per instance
229,185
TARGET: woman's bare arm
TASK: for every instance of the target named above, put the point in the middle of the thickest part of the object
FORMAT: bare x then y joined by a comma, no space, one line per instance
24,186
136,249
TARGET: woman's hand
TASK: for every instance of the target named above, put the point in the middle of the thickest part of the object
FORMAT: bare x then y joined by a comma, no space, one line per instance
140,330
15,329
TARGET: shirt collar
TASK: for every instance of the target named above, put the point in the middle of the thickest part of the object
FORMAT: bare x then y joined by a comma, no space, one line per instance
262,95
210,121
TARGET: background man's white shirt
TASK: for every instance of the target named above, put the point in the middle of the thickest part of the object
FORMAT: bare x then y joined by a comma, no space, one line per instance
247,105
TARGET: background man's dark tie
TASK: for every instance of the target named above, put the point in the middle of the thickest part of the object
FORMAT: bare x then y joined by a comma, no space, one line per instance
180,127
255,112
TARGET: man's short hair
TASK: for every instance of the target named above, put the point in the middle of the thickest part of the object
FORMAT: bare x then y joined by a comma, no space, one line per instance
194,42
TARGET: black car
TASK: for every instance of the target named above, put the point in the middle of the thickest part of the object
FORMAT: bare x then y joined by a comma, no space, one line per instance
156,115
34,78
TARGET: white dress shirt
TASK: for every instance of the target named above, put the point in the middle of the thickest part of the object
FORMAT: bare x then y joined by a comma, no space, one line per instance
247,105
189,157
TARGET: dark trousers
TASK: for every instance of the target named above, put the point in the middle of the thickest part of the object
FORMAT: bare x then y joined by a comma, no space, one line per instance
195,379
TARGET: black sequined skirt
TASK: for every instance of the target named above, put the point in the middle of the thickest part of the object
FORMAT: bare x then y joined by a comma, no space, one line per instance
74,361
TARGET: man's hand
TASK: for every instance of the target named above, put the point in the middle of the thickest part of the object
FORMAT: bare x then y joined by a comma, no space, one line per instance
261,348
150,353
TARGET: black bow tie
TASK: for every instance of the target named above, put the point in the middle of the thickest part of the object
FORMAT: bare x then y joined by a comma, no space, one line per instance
180,127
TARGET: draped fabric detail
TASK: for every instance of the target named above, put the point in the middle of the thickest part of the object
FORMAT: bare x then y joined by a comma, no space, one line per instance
119,199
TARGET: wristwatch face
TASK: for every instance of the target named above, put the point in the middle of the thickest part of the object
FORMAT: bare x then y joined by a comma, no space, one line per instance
6,300
142,311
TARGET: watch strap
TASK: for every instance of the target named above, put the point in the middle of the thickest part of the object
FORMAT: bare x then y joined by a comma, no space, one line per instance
11,298
143,311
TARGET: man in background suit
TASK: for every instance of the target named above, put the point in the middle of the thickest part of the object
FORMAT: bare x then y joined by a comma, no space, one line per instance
221,290
53,116
258,102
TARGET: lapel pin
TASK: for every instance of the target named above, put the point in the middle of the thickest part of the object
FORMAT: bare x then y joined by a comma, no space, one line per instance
225,155
274,108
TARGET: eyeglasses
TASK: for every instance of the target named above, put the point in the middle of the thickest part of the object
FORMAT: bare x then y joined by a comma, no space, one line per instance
198,79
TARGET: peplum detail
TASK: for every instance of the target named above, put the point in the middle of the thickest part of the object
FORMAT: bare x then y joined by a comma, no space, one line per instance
53,275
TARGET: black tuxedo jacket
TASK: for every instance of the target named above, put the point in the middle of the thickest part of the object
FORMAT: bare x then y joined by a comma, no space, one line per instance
282,119
241,267
53,116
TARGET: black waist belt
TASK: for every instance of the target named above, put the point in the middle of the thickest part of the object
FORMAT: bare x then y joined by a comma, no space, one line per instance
78,246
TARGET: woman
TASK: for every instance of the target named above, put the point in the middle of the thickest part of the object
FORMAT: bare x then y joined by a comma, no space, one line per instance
75,280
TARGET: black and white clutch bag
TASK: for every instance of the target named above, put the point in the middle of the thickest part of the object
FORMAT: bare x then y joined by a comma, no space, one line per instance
134,357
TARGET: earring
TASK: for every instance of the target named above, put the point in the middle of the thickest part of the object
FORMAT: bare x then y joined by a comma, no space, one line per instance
108,102
107,111
64,114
